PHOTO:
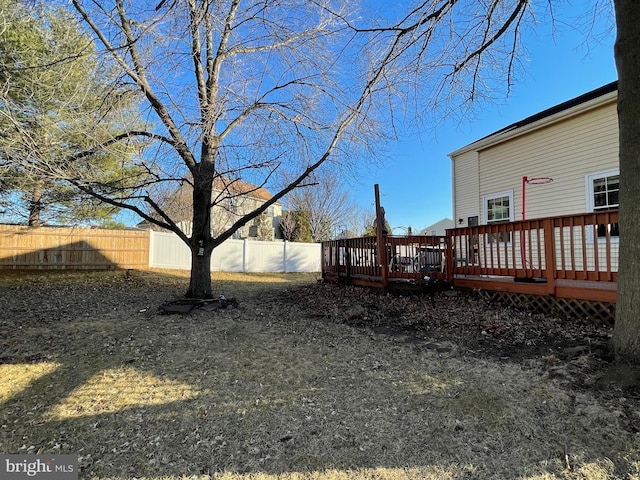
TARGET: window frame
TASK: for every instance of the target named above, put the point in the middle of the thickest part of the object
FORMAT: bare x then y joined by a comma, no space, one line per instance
485,212
590,203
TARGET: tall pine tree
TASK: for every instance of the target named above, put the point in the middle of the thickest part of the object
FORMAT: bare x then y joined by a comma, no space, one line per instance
56,103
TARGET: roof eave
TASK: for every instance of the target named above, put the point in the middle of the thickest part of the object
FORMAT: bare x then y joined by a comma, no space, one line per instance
516,131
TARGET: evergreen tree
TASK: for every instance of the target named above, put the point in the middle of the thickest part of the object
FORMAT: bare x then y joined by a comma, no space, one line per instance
302,231
372,230
56,103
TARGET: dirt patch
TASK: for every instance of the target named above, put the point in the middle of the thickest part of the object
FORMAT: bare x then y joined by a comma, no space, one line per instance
475,325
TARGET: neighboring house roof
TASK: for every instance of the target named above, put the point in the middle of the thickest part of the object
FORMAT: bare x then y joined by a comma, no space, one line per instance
589,100
238,187
439,227
178,203
227,187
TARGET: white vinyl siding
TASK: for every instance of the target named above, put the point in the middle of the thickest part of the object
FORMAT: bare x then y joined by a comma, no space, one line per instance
572,147
565,151
466,188
438,228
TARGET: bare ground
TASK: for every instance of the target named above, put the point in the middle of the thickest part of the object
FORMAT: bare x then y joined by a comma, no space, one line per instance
306,380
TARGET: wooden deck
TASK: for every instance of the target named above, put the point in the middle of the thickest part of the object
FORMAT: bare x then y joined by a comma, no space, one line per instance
574,257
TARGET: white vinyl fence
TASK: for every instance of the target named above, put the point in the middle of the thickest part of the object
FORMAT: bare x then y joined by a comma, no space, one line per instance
166,250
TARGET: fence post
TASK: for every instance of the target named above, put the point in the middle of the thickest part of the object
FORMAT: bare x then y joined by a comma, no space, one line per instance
284,256
151,248
550,255
245,255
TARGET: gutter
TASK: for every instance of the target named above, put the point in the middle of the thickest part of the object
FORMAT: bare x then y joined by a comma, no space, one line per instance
532,123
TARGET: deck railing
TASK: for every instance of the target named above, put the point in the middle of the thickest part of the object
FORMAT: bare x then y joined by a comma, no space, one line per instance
408,258
574,256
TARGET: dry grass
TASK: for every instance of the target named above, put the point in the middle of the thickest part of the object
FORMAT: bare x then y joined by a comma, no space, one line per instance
266,391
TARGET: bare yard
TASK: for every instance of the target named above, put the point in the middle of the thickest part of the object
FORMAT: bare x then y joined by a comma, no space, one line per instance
304,380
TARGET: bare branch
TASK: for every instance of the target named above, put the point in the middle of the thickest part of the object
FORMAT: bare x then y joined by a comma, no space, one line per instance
246,92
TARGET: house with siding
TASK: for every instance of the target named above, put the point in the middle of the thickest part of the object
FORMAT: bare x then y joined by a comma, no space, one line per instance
535,208
232,199
561,161
439,228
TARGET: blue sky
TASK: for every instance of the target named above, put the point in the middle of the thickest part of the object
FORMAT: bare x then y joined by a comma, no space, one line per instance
415,179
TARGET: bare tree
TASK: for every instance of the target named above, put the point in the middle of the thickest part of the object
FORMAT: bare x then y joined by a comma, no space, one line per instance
245,89
288,224
626,335
326,203
354,223
363,220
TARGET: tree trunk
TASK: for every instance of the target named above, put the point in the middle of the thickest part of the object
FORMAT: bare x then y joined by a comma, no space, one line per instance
626,337
35,206
201,241
200,283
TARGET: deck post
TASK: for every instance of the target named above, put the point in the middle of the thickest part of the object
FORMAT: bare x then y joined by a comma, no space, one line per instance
381,239
347,259
550,255
449,242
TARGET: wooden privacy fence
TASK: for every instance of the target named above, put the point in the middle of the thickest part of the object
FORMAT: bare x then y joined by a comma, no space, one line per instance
573,256
72,248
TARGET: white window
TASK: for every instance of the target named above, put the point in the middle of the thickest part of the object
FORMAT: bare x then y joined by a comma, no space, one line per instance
498,208
603,190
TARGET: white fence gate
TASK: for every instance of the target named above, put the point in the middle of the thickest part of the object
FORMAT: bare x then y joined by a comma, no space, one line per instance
166,250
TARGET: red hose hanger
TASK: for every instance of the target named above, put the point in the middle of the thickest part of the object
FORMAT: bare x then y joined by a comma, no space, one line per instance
531,181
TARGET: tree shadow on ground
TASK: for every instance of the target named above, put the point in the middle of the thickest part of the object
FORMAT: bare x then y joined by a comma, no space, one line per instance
259,389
